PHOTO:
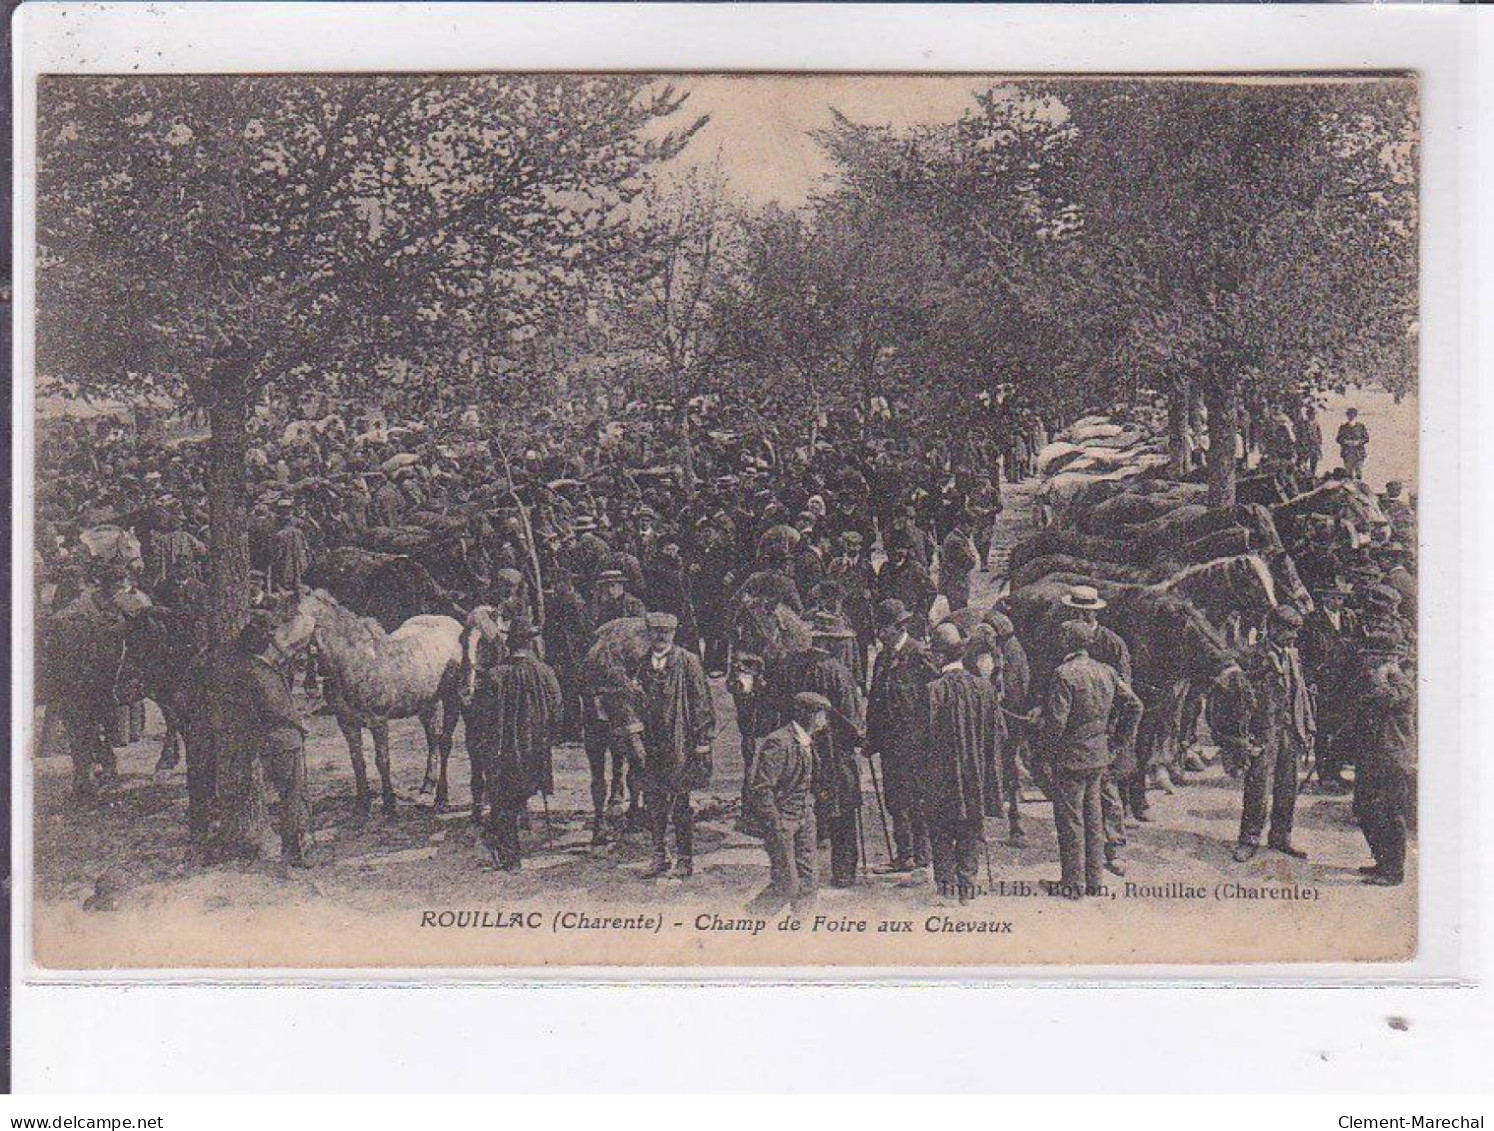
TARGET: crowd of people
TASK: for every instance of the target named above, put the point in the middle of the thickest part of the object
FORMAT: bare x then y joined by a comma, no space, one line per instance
867,532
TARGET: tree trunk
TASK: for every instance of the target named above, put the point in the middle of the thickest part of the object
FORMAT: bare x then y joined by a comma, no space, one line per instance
687,446
240,797
1180,427
1224,434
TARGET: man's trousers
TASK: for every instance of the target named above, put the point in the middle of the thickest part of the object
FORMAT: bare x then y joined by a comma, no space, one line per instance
957,848
1270,771
1081,827
792,866
665,809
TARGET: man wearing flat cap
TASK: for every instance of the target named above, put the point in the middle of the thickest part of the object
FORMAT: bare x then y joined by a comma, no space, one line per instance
1283,730
1087,703
781,794
896,712
679,724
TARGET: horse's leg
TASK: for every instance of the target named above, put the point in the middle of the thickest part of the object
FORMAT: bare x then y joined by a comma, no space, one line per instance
451,711
380,731
635,767
352,730
169,756
597,751
474,756
432,744
84,749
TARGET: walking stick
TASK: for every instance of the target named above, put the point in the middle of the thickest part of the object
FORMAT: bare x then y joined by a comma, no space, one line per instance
881,808
861,840
545,803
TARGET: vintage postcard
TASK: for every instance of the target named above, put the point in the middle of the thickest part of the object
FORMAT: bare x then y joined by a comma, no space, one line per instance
616,520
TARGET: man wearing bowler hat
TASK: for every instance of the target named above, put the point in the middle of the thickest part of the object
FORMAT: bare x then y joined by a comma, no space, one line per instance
612,600
895,716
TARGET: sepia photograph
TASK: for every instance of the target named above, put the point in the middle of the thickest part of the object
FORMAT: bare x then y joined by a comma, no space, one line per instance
505,521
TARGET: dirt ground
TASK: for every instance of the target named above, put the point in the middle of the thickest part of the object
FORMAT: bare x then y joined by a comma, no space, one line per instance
379,889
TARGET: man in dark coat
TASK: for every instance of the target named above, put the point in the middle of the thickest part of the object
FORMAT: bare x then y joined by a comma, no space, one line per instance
1086,702
957,559
1328,660
568,633
679,724
852,570
1353,443
612,600
290,557
1385,771
520,704
782,798
837,779
711,572
896,712
261,723
1283,733
902,578
666,589
963,765
1016,701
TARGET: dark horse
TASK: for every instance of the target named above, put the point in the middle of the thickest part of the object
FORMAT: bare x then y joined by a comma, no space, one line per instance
160,661
1174,649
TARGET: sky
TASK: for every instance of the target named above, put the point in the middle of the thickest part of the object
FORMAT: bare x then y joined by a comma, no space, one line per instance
760,127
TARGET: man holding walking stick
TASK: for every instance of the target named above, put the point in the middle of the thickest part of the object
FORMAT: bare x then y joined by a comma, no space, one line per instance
896,711
837,779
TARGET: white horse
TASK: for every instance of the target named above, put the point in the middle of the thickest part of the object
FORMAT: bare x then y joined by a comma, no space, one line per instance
374,676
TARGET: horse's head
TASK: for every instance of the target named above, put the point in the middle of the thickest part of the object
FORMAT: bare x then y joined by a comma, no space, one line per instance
1231,699
294,620
484,642
746,676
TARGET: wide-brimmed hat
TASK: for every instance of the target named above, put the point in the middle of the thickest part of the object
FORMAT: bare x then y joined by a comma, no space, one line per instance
891,613
1083,597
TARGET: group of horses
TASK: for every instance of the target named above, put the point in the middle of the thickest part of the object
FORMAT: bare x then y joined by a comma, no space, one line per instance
386,622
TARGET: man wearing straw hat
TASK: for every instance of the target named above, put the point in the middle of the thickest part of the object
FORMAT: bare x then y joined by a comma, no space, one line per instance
1086,702
1107,647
